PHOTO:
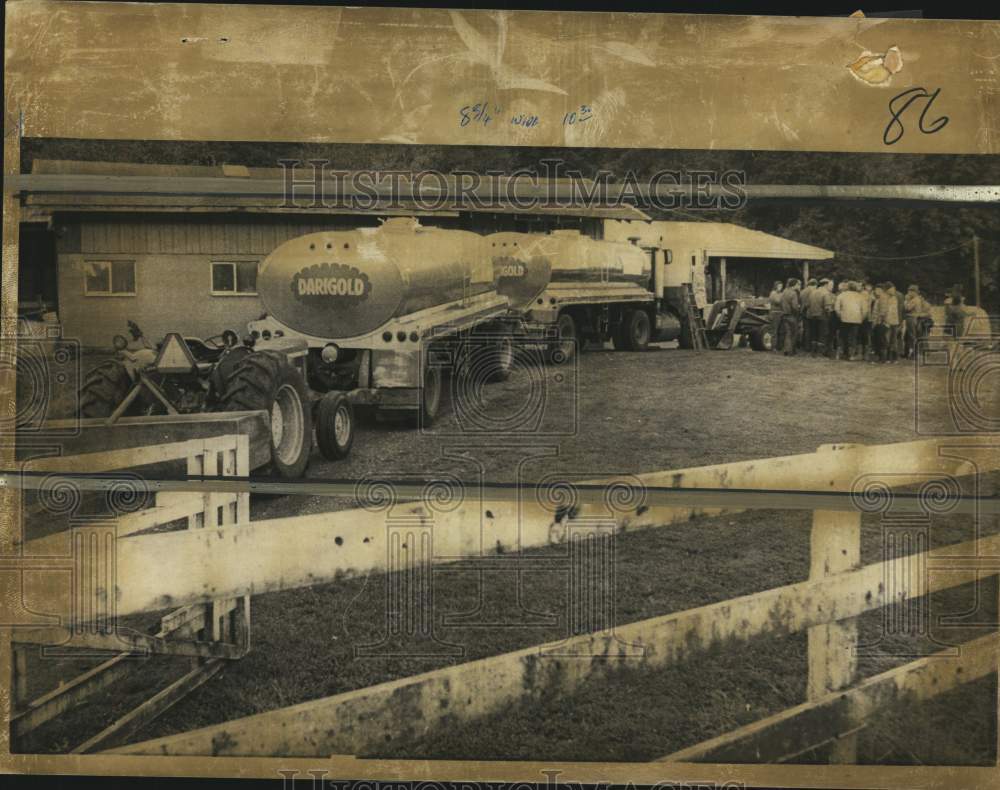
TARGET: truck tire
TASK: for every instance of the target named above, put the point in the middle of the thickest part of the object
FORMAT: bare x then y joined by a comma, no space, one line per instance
501,358
686,340
431,394
104,388
334,426
488,356
636,330
267,381
563,349
762,339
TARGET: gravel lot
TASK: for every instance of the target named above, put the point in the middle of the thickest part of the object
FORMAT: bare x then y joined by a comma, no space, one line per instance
609,413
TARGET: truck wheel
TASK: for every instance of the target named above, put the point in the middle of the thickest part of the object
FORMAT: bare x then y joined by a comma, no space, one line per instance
334,426
636,330
762,339
104,388
686,339
430,395
563,349
267,381
501,359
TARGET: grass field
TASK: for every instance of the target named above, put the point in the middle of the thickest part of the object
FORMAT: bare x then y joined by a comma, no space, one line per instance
610,413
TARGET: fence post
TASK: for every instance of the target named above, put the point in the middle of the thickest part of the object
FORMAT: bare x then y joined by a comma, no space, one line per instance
835,548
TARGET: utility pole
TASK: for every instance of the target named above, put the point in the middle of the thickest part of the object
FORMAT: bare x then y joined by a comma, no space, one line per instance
975,265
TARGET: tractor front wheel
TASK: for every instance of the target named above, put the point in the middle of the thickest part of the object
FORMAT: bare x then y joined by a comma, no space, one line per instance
267,381
334,426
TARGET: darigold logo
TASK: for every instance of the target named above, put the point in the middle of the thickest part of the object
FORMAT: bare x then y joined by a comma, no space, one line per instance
507,267
331,283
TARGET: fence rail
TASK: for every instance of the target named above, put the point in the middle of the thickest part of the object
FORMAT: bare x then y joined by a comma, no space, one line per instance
237,558
82,615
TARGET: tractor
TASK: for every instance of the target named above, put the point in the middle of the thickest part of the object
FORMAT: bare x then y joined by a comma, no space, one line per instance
185,375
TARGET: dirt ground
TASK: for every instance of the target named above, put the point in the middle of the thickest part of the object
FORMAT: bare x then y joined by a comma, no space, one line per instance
606,414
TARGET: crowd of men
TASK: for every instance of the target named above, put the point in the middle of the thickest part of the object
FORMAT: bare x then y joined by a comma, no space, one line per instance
856,321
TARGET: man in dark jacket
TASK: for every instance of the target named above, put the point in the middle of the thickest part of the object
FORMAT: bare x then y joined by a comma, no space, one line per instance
774,303
791,307
805,330
816,319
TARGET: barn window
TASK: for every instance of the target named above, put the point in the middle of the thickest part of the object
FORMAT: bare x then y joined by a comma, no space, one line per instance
231,278
109,278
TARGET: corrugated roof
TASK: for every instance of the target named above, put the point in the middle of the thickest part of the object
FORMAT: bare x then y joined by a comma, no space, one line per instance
719,239
108,186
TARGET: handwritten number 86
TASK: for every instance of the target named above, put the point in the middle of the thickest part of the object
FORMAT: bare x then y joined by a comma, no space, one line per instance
900,103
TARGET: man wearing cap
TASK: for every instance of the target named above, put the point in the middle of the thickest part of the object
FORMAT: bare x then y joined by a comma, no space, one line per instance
832,319
804,294
867,327
900,313
814,304
791,307
851,309
917,313
774,302
887,318
954,310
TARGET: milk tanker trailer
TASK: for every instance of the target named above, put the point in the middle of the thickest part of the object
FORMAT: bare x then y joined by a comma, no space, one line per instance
381,314
566,288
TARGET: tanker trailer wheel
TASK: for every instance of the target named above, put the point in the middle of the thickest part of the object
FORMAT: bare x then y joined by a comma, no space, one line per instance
104,388
430,395
563,349
267,381
501,358
334,426
636,330
762,339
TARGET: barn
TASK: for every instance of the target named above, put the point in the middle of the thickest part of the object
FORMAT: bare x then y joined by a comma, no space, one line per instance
178,247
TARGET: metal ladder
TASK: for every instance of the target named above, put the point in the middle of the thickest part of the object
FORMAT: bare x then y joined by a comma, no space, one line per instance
699,340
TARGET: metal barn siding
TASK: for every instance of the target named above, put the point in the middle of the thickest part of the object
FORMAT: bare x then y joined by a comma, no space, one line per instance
173,259
255,236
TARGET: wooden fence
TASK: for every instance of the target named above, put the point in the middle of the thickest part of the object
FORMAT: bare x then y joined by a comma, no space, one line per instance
84,614
192,567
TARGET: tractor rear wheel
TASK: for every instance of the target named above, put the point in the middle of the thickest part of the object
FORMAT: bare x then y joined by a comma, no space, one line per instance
334,426
267,381
104,388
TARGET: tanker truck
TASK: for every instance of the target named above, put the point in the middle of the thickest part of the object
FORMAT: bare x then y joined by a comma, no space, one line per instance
566,288
382,313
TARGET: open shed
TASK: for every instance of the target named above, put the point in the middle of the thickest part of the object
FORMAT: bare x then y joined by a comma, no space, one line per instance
720,259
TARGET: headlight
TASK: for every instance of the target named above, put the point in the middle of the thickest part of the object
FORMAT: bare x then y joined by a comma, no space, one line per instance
119,342
330,353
